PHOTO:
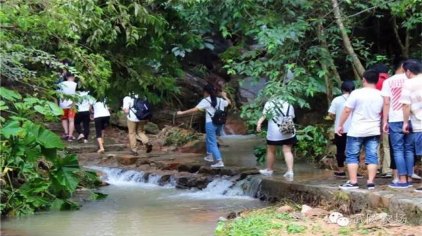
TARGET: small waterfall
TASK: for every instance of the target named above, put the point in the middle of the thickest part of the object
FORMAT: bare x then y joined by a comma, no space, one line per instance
220,187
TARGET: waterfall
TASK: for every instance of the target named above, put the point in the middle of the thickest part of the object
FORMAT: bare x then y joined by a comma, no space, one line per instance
220,187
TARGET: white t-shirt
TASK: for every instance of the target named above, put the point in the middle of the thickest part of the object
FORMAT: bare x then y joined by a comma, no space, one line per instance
205,104
85,101
336,108
412,95
67,88
366,105
128,104
392,88
100,110
271,110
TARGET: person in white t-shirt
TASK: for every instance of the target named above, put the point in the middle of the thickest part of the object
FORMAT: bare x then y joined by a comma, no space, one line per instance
68,87
365,106
102,121
83,117
210,103
135,126
275,110
336,108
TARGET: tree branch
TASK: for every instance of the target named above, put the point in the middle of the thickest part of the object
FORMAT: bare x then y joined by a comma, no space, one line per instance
404,52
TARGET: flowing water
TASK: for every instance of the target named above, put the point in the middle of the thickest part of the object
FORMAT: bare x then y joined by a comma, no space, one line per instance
134,207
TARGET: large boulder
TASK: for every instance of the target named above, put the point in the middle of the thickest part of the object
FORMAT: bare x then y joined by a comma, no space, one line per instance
151,128
235,125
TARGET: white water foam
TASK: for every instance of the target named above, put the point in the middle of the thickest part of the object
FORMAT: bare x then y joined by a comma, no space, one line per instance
119,177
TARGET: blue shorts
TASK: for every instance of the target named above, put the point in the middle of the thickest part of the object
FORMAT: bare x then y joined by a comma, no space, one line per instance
415,140
354,145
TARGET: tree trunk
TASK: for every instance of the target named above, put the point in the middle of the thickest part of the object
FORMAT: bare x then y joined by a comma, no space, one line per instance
403,47
346,40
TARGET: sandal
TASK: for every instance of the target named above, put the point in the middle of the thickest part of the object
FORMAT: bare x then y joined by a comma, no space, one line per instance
101,151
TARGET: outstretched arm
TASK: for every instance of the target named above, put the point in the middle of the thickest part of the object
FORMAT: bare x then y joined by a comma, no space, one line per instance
192,110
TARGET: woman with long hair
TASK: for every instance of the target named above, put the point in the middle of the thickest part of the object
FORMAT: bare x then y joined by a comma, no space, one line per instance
210,104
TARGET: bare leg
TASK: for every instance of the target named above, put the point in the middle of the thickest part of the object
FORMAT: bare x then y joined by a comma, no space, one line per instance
353,172
372,172
71,126
65,125
100,145
270,156
288,157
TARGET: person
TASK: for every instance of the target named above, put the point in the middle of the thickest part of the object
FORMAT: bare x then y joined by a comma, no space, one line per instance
102,121
412,115
68,88
385,162
210,103
135,126
276,110
336,107
365,107
82,118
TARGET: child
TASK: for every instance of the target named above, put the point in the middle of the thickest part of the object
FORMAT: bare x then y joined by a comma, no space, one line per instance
101,120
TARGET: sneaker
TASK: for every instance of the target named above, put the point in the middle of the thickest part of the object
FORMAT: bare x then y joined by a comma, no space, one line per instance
418,190
80,137
85,140
149,148
65,136
209,158
415,176
266,172
387,175
340,174
70,138
219,164
289,175
410,183
399,185
395,181
370,186
349,185
360,176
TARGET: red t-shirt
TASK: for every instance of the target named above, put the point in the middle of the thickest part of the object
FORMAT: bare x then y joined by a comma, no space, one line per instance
381,78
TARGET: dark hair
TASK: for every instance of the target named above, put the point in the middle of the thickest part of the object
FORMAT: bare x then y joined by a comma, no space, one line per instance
348,86
413,66
398,62
371,76
68,74
211,91
380,68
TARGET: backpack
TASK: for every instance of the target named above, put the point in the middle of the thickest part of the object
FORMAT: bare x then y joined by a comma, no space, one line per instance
220,116
287,126
142,109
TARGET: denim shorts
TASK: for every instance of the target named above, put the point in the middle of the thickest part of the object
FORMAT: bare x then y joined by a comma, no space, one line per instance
354,145
416,141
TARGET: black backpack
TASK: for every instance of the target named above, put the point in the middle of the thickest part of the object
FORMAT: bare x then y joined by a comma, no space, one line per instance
142,109
220,116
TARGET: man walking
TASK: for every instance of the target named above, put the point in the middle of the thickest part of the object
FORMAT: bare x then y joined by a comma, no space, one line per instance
135,126
412,109
365,106
68,88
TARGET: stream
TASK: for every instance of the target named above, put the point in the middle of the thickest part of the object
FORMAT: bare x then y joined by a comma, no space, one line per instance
134,207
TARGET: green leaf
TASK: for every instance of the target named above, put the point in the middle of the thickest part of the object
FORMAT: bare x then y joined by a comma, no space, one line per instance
9,95
66,179
11,128
56,110
57,204
49,139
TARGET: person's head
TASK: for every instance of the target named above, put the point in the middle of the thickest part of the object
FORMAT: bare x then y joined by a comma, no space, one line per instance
209,90
412,68
347,86
69,76
380,68
398,65
370,77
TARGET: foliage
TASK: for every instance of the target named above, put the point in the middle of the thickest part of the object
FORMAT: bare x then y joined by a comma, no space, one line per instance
179,137
312,142
35,173
260,152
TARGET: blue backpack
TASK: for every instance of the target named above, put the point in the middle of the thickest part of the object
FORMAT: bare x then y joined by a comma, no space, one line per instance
142,109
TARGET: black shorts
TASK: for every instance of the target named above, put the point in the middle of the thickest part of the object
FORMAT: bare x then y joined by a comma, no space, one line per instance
100,124
290,141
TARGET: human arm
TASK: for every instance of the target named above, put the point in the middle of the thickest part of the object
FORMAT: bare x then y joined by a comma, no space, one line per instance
259,124
406,101
406,115
192,110
386,110
343,117
224,96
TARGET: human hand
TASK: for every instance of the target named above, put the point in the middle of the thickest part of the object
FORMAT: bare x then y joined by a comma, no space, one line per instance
179,113
385,128
405,127
223,94
258,128
340,130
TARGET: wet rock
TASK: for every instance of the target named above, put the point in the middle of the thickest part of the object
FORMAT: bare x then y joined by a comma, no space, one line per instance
164,180
235,125
233,215
206,170
305,209
127,160
143,161
182,183
183,168
285,209
196,146
227,171
171,166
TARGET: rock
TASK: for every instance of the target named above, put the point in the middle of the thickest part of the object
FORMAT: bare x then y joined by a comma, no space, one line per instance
151,128
164,180
249,89
235,125
285,209
171,166
305,208
316,212
232,215
196,146
119,119
222,219
127,160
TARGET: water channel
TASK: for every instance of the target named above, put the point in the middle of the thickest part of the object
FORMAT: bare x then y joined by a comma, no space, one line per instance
136,208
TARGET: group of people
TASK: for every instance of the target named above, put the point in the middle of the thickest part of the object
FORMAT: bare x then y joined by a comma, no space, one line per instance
388,111
79,108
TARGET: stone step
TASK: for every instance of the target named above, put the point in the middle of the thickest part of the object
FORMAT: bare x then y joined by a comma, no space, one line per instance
90,148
